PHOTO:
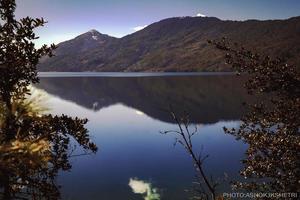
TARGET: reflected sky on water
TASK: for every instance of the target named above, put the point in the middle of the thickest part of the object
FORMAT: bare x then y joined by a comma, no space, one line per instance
126,115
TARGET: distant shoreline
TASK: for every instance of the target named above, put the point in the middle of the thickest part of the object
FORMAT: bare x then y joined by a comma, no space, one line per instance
129,74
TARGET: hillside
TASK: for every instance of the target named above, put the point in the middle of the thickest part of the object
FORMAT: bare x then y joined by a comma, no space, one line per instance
175,44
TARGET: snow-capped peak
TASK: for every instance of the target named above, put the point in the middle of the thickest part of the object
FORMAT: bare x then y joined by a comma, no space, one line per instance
200,15
94,34
95,37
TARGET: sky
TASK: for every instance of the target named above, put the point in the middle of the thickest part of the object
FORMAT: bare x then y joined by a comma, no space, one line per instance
70,18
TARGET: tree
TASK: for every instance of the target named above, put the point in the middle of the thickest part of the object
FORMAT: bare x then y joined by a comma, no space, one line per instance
42,147
18,55
271,128
33,146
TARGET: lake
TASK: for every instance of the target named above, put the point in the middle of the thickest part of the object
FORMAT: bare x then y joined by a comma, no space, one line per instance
126,115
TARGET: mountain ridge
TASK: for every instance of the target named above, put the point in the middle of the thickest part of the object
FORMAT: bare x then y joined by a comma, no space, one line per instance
175,44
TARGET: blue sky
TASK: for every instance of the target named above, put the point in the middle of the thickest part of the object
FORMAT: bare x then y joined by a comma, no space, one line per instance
69,18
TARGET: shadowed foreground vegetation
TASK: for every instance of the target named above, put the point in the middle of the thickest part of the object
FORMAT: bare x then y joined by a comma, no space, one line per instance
272,126
34,146
39,149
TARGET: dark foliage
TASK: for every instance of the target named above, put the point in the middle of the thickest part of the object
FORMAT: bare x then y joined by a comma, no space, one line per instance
272,127
29,162
33,146
18,56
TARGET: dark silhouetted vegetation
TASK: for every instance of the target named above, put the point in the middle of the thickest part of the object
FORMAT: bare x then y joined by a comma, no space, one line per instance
30,161
18,58
271,128
33,146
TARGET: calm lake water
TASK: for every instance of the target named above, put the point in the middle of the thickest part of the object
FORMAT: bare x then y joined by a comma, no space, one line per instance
126,115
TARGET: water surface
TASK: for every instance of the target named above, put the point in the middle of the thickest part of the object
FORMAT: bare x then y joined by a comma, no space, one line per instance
126,115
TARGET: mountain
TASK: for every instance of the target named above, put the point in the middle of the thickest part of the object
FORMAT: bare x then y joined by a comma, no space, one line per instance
69,54
175,44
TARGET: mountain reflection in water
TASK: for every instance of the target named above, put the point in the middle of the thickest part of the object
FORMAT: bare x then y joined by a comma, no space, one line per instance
208,99
126,115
